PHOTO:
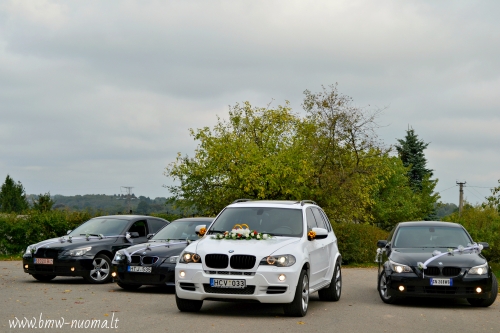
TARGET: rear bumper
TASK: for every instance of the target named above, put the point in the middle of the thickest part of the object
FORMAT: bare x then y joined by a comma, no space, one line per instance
462,286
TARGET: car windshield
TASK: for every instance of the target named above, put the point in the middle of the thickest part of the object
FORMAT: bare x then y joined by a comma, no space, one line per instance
447,237
274,221
106,227
179,230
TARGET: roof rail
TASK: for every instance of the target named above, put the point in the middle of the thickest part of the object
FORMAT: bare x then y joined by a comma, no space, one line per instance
240,200
303,202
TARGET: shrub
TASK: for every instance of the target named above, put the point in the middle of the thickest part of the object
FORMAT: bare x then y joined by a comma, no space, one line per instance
358,242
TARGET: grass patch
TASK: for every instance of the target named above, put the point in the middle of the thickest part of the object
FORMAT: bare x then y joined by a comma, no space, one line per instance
4,257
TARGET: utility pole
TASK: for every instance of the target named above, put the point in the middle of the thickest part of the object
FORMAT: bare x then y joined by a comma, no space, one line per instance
461,199
129,189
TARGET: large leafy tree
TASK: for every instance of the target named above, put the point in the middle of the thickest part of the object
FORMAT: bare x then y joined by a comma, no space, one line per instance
257,153
12,197
43,203
411,152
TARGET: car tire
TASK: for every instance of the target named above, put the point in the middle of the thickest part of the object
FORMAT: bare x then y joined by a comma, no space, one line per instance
101,273
43,278
298,307
382,289
332,293
127,286
485,302
188,305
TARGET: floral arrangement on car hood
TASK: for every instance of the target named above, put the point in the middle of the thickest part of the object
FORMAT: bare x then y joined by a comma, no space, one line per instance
242,232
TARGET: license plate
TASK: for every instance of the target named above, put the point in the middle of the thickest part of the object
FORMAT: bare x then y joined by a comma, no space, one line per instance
226,283
139,269
441,282
44,261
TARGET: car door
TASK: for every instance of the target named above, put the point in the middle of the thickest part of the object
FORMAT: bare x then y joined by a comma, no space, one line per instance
327,243
316,252
141,227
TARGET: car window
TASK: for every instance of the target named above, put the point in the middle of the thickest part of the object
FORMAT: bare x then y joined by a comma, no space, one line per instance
155,225
319,219
327,221
274,221
179,230
97,226
140,227
444,237
311,221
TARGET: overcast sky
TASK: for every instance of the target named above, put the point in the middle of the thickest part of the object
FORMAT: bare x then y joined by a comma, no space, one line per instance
95,95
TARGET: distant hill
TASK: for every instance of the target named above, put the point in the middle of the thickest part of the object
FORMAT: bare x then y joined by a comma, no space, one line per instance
111,204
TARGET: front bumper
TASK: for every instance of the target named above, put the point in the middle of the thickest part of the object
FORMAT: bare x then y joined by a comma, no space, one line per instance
161,275
62,266
262,285
414,286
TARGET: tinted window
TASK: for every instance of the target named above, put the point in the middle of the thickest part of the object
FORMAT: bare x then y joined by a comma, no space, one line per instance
106,227
275,221
319,219
140,227
155,225
445,237
311,221
179,231
327,221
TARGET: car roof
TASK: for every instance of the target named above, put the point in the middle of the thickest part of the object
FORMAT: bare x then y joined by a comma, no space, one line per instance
127,217
294,204
194,219
429,224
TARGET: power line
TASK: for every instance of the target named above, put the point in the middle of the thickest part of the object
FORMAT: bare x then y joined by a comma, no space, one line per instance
446,189
472,193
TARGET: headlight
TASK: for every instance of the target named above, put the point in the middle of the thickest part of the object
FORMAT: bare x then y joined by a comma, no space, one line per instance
479,270
284,260
79,252
119,256
173,259
400,268
188,257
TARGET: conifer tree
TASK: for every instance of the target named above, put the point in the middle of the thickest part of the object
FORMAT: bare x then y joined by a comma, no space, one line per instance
12,197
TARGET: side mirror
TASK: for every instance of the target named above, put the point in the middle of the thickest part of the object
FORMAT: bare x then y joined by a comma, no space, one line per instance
485,245
68,232
321,233
381,244
199,227
134,234
149,236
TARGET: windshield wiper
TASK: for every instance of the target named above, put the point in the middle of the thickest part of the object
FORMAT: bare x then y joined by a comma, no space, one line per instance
215,231
89,235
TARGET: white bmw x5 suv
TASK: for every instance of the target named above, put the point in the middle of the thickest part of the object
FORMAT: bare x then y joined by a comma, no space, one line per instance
265,251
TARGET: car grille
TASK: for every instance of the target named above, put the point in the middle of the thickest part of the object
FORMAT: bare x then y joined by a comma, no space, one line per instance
230,273
216,260
135,259
149,260
432,271
47,253
440,290
242,261
451,271
187,286
248,290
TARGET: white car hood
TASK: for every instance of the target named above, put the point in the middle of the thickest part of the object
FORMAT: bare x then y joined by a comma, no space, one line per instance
258,248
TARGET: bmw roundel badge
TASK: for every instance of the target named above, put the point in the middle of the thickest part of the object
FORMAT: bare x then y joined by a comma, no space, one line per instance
231,251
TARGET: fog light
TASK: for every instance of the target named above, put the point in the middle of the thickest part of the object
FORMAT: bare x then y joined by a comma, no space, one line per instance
113,274
401,288
182,274
72,269
479,290
26,266
282,277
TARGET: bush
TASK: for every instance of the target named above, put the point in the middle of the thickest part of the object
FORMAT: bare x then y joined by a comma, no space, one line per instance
358,242
19,231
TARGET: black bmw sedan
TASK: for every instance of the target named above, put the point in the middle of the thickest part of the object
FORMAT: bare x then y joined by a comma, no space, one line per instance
154,263
87,251
434,259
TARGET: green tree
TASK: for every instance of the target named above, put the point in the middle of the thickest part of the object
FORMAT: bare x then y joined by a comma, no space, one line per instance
494,198
44,203
256,154
12,197
411,152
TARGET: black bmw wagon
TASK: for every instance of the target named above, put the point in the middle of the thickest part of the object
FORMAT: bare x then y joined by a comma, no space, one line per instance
434,259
